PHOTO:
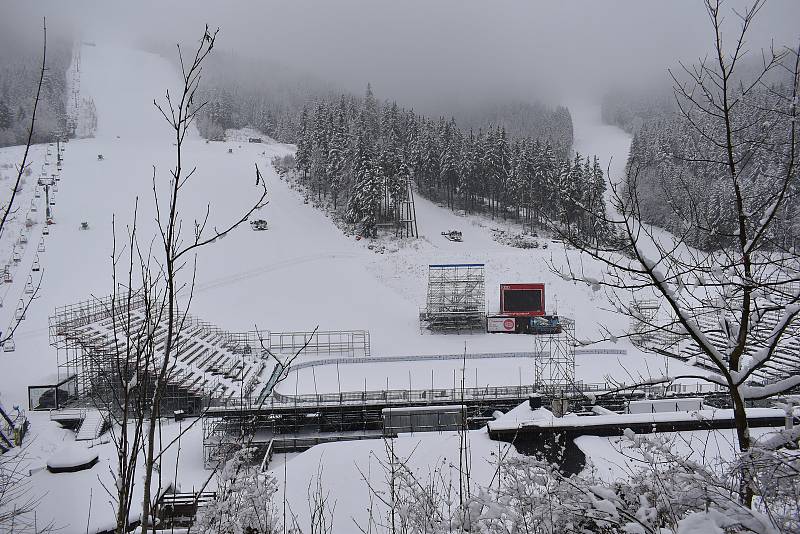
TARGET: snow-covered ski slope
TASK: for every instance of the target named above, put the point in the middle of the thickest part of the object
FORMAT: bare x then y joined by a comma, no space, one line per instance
301,273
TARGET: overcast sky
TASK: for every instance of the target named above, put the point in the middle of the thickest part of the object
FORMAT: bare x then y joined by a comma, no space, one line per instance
423,52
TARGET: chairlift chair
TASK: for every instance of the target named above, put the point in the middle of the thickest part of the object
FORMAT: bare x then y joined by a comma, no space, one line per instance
52,200
40,248
55,187
16,257
37,193
29,286
20,313
23,238
7,278
36,267
9,346
34,209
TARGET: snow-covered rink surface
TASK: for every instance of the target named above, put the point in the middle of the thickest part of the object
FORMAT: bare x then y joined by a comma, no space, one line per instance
301,273
439,374
420,374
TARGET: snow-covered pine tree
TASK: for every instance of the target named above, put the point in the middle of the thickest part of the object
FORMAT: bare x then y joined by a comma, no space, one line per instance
362,210
304,146
371,125
338,153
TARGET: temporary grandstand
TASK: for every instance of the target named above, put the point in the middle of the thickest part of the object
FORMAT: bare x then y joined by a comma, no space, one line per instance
785,359
652,330
456,297
209,366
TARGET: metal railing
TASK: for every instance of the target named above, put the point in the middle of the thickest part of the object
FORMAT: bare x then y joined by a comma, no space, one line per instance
327,341
402,396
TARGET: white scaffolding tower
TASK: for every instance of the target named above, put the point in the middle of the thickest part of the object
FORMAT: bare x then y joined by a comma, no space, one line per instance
456,297
554,363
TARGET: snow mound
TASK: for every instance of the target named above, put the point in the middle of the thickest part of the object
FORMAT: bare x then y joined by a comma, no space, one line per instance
70,458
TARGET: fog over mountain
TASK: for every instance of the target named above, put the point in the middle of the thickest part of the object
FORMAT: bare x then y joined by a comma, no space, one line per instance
432,55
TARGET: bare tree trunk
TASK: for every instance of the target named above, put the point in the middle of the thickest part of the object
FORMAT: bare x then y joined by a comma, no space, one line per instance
180,116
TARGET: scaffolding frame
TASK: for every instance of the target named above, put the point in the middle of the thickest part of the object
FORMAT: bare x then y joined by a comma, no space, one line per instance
90,354
208,367
554,362
407,216
289,420
456,297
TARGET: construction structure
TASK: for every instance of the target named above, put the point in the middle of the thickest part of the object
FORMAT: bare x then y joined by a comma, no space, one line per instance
407,214
456,298
554,363
644,321
208,366
288,423
655,330
784,361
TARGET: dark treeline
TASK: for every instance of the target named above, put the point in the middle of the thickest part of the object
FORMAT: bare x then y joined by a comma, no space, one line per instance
682,194
630,110
268,96
20,61
243,92
361,154
522,119
509,160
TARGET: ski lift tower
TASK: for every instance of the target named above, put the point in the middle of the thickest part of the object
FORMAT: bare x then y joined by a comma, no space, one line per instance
554,362
407,223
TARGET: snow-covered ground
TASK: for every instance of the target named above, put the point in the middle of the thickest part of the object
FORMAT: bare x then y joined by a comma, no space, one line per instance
301,273
345,469
615,458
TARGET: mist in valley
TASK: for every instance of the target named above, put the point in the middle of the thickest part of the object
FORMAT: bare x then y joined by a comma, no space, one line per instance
438,57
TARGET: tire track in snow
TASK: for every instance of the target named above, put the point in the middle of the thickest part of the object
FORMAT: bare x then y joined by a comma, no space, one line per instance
264,269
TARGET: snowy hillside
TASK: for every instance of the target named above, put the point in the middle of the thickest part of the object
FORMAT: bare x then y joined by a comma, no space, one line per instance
301,273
